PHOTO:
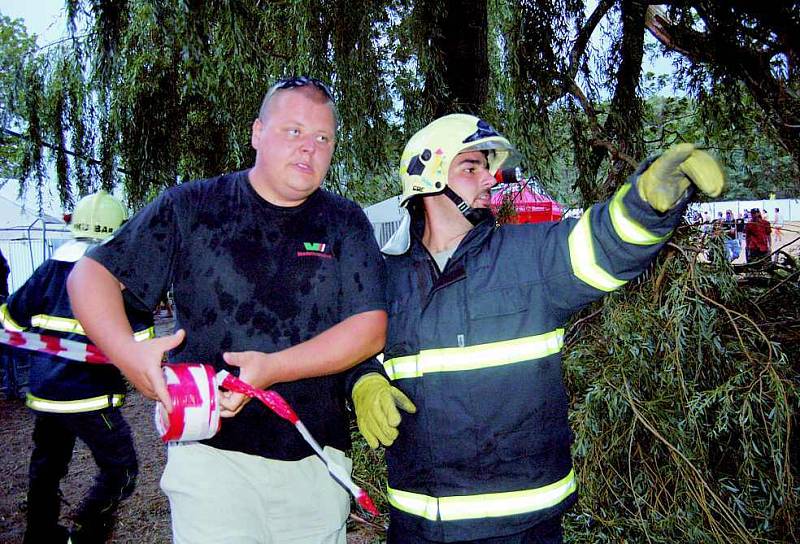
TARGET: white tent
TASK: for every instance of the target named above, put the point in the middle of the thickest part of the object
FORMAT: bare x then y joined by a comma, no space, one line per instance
385,218
27,239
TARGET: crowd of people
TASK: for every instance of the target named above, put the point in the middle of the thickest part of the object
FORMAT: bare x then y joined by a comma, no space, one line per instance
281,282
749,232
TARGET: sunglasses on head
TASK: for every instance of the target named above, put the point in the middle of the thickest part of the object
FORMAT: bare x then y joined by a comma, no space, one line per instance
302,81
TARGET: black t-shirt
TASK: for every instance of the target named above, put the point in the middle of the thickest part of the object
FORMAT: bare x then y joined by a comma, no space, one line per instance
248,275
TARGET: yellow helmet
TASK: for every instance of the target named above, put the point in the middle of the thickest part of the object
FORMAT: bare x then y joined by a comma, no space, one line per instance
426,159
97,216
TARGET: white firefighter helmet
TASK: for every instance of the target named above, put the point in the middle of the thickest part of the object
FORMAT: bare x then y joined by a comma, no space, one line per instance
97,216
427,156
426,160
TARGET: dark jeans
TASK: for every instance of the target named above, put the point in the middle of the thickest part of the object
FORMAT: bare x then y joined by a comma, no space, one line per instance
547,532
752,255
108,436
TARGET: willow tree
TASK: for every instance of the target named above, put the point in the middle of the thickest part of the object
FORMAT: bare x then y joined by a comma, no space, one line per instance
150,94
154,93
15,45
740,47
561,64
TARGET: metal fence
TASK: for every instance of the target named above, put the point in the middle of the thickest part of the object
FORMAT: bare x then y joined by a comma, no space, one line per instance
25,249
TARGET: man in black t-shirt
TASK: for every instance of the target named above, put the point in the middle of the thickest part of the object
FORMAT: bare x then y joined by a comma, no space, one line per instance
270,274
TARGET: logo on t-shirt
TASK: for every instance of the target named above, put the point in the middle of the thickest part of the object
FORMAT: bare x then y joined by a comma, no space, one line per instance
315,249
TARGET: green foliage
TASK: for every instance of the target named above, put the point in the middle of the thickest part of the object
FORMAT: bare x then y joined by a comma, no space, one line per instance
149,94
15,46
527,79
683,407
739,62
155,93
745,144
369,470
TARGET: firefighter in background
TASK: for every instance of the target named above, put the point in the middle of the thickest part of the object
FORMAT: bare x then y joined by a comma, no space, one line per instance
9,372
476,328
71,399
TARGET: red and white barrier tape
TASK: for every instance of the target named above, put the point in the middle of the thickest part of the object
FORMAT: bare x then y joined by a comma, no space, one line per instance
195,410
43,343
195,415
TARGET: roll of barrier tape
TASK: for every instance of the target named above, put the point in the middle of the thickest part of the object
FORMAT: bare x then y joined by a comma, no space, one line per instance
195,410
195,415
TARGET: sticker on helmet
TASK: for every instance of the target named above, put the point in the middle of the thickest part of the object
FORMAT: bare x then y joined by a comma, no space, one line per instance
416,166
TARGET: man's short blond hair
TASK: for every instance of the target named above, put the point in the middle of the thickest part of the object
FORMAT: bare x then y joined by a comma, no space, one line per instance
309,85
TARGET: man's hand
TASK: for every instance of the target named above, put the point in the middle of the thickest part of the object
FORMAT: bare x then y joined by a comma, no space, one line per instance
256,369
376,402
142,366
666,180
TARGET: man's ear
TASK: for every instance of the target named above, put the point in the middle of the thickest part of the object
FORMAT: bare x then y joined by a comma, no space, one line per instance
255,133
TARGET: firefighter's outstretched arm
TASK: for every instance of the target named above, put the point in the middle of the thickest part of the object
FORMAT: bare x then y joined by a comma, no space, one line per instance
96,298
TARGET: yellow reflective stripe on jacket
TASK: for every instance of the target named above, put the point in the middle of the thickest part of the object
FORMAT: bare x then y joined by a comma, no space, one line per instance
74,406
8,322
73,326
145,334
628,229
582,258
474,357
487,505
55,323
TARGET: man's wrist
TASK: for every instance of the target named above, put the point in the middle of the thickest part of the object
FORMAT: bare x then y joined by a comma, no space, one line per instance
272,369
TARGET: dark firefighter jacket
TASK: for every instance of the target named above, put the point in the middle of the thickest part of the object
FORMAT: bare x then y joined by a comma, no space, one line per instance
477,348
42,306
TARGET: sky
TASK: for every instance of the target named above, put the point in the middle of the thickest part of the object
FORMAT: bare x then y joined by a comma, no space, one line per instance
47,20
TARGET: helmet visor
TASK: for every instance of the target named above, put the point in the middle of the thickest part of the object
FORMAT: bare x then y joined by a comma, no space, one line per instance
501,154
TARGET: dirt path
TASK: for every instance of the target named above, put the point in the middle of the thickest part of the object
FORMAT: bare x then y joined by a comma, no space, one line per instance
143,518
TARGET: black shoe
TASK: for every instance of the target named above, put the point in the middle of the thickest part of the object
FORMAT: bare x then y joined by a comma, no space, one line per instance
57,535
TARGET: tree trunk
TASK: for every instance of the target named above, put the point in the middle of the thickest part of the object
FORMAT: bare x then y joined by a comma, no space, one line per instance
623,127
462,41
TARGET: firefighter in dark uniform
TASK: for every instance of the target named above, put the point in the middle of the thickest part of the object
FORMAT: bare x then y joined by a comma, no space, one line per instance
74,399
476,328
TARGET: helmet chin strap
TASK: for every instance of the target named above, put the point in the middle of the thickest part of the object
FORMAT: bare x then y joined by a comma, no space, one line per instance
473,215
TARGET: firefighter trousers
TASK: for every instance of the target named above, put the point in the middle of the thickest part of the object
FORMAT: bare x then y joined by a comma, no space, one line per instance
108,437
546,532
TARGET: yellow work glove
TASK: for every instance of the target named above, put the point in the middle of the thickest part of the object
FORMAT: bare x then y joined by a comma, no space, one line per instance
376,402
666,180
